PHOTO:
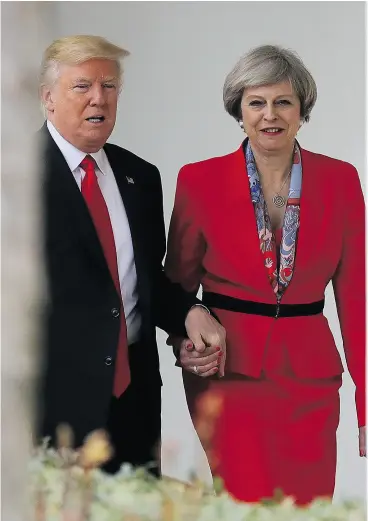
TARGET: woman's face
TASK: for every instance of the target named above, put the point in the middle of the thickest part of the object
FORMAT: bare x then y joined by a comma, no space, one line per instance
271,117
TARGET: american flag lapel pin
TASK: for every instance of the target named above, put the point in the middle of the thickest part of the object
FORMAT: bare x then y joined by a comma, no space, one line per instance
130,180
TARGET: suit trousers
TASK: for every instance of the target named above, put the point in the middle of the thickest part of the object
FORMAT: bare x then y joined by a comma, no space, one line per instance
134,421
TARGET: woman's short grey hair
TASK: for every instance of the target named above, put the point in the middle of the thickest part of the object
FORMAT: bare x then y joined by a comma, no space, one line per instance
268,65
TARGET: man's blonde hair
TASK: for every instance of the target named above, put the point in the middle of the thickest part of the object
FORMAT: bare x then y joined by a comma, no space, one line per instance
72,50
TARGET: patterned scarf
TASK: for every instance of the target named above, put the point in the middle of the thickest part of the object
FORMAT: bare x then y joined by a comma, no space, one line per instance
279,279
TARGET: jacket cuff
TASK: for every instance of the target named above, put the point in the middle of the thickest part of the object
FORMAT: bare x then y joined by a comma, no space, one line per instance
201,306
199,303
360,403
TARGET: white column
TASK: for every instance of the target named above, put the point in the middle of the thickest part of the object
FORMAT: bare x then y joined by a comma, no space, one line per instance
24,28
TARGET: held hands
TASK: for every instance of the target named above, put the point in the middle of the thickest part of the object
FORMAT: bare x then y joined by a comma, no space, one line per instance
203,364
362,442
207,335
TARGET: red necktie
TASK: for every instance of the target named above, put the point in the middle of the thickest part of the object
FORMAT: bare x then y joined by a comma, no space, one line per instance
100,216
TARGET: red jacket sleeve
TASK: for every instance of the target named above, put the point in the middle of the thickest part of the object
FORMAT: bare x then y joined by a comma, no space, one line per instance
349,286
186,246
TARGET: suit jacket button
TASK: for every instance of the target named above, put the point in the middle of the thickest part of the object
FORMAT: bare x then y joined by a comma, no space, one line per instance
108,360
115,312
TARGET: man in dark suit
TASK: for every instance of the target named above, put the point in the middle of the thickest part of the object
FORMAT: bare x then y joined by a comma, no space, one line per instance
104,246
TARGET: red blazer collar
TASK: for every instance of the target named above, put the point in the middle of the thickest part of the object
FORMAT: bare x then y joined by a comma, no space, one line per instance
311,203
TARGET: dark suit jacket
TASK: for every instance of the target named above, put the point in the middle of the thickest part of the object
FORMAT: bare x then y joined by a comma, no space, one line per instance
81,331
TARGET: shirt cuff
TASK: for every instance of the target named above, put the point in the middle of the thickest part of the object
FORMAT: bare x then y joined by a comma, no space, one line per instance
201,306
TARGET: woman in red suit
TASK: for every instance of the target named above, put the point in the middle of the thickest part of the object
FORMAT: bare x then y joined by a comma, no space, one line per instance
264,230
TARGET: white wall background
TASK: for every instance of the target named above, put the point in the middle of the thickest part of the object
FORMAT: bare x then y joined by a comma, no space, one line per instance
171,113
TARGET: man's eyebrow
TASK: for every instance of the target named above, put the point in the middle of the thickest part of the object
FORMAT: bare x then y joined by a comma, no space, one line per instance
88,80
76,80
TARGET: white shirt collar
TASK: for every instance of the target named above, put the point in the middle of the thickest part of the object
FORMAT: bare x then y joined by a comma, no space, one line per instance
72,155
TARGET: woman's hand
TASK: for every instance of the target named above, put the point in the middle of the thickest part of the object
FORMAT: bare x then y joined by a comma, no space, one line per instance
203,364
362,442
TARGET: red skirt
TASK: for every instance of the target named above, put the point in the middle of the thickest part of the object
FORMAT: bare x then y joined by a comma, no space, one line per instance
275,432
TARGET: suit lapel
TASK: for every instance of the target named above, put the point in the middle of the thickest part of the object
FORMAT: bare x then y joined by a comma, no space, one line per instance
129,188
62,187
243,212
311,216
311,213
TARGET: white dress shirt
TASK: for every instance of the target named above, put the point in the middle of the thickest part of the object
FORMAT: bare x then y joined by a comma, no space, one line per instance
119,223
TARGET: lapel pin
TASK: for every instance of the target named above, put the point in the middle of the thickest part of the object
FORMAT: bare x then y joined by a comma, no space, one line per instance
130,180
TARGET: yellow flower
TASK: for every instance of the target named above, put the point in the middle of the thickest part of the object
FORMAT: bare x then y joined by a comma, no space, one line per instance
96,450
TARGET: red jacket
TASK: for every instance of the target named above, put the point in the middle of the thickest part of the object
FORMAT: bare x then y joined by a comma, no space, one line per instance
213,242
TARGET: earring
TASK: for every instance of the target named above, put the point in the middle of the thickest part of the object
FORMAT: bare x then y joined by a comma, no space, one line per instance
241,124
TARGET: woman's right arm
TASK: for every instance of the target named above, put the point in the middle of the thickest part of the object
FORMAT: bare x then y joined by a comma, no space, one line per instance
185,250
186,245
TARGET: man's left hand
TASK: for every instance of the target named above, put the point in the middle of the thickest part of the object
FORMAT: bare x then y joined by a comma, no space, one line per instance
204,331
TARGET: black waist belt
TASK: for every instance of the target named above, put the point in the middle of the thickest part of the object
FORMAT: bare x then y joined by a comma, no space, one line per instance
216,300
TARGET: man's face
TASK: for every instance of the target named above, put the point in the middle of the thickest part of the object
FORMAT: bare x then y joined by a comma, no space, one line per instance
83,101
